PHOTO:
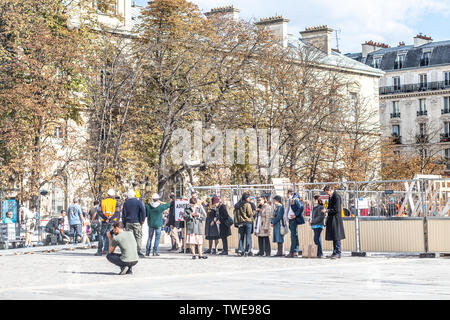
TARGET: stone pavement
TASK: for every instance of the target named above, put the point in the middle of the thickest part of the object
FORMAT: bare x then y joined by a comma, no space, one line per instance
78,274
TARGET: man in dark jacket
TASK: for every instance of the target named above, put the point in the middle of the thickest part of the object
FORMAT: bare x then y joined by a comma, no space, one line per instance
243,219
172,225
335,226
294,214
133,217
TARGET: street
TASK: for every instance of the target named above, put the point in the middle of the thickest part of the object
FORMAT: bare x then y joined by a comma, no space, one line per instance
78,274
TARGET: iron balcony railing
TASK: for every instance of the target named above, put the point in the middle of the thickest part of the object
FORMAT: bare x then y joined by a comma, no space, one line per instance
421,138
395,115
396,139
415,87
422,113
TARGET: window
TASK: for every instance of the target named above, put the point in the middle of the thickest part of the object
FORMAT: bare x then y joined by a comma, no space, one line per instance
446,105
423,81
58,133
353,103
447,78
396,130
446,128
396,81
447,157
422,107
395,110
422,129
377,62
425,60
399,61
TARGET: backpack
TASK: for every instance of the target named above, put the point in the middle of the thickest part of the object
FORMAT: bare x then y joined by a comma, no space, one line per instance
229,221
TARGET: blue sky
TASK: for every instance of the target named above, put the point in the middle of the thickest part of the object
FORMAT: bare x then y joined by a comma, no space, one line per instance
388,21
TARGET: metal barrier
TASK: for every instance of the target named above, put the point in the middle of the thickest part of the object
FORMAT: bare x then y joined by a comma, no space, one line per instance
410,216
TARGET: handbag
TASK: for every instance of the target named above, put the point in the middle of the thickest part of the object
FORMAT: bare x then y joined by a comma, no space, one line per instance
283,229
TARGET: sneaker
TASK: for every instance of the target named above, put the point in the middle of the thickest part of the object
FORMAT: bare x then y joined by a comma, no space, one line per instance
245,254
155,254
182,251
130,270
140,255
194,257
214,251
203,257
122,270
207,251
223,253
98,253
250,254
147,254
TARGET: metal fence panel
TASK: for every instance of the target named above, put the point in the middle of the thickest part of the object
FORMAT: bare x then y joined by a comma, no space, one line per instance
392,235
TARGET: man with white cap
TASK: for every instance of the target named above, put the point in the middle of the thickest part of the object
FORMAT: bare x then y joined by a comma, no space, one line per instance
133,217
109,212
154,211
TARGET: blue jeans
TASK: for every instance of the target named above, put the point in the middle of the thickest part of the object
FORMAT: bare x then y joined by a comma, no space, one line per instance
151,231
294,236
103,241
318,240
75,229
337,247
245,231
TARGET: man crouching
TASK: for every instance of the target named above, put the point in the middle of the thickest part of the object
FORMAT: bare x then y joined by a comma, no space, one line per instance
128,248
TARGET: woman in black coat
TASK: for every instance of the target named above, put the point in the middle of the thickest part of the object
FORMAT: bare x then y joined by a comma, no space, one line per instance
225,222
335,226
212,227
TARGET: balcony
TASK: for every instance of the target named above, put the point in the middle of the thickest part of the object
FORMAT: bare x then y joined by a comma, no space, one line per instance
422,113
415,87
421,138
395,115
445,111
396,139
445,137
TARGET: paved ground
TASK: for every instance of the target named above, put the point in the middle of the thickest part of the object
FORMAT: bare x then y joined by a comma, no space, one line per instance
78,274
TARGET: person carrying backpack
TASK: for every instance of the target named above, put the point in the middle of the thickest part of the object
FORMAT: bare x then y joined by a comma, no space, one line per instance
243,220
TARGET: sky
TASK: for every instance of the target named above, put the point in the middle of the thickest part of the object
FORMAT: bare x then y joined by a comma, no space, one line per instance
356,21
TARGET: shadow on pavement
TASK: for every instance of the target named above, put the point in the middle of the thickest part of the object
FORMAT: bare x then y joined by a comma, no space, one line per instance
96,273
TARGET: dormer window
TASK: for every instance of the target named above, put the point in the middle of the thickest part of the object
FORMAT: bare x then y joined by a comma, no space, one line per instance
425,59
377,62
399,61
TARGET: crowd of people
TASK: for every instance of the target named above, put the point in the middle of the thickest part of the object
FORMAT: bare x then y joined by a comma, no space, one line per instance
115,224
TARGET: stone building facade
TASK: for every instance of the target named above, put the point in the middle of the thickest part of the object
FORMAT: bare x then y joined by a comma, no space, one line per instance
414,94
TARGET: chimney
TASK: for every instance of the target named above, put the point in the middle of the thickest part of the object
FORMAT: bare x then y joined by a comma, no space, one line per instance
420,40
278,26
370,46
229,12
319,37
124,10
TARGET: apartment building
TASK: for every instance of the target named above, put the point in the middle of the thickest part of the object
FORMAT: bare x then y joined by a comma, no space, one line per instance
414,93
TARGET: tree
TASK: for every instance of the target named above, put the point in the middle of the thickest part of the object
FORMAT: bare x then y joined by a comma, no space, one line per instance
40,74
191,67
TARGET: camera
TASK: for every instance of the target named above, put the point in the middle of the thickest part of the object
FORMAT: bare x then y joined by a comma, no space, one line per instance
111,233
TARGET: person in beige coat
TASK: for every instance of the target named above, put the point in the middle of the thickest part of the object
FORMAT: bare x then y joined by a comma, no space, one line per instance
262,226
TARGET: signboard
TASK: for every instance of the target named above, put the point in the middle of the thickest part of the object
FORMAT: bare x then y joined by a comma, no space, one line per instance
362,203
180,206
325,198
